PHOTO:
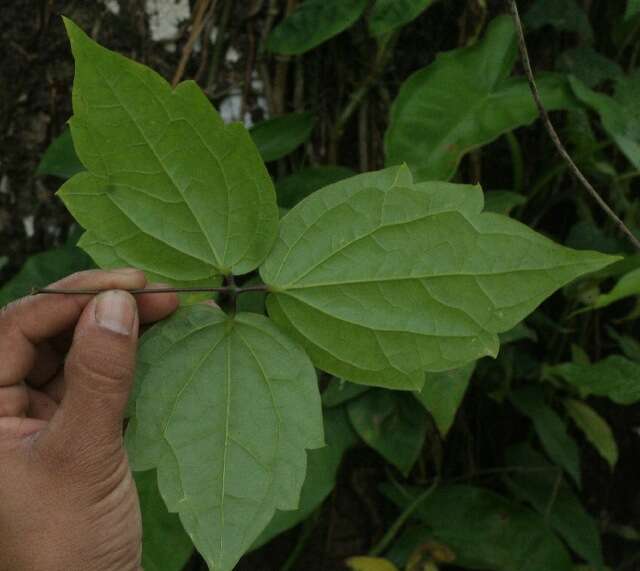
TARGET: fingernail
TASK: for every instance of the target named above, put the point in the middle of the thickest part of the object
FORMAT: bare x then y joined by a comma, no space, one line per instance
116,312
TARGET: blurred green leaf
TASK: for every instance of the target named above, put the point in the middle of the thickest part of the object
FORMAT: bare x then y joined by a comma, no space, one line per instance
633,9
628,345
442,395
550,428
518,333
619,114
278,137
322,468
627,286
392,423
60,158
370,564
541,484
588,65
42,269
3,261
615,377
432,127
595,428
313,23
486,531
293,188
340,391
563,15
389,15
502,201
165,544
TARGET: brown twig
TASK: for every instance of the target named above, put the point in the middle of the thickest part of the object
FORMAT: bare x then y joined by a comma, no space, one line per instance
225,289
196,30
544,115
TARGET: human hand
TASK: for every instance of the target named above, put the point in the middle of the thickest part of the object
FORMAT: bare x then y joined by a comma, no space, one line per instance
67,498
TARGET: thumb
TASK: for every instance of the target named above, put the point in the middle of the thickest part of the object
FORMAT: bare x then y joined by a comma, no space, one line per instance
98,374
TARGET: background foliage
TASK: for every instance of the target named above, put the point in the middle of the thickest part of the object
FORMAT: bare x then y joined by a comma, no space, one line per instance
528,461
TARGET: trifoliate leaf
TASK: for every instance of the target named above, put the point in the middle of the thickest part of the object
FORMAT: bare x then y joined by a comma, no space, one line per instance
442,395
388,15
170,187
382,280
464,100
225,411
313,23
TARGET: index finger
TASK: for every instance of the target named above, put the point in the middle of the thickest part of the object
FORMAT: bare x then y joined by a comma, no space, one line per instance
29,321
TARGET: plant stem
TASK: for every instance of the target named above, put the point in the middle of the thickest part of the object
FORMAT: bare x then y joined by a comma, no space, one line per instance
235,290
388,537
544,115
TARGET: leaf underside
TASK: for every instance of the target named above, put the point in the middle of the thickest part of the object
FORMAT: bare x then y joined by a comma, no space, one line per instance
225,411
381,279
170,188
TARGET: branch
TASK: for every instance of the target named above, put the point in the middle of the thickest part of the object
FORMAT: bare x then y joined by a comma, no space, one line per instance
226,289
544,115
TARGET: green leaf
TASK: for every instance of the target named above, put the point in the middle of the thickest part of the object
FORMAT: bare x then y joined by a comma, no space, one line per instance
165,545
432,127
276,138
564,15
595,428
627,286
502,201
589,66
340,391
518,333
620,114
615,377
539,485
322,469
392,423
442,395
633,9
293,188
60,158
225,410
486,531
170,187
389,15
381,280
313,23
628,345
4,260
550,428
42,269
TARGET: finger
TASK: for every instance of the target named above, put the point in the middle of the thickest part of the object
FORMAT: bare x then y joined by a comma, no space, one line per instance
46,365
98,377
28,322
54,389
14,400
41,406
156,306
